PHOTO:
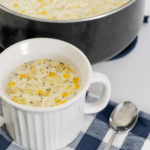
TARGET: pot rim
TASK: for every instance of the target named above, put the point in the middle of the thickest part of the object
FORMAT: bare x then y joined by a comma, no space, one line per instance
67,21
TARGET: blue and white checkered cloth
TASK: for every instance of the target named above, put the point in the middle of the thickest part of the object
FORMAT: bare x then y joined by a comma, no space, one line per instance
96,133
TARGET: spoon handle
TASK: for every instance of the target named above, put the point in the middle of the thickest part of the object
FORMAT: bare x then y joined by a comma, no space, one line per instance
110,142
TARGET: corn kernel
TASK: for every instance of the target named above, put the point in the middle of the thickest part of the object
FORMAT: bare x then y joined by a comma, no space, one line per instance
76,86
57,101
63,101
22,76
51,74
71,70
11,84
64,94
75,80
40,91
66,75
31,66
43,12
16,5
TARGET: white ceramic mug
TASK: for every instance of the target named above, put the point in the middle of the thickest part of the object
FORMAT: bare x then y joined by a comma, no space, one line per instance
54,127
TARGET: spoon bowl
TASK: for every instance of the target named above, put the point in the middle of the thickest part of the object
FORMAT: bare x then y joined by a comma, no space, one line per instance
122,119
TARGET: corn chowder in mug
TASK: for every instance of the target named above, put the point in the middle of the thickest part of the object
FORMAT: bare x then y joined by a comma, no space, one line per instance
43,83
63,9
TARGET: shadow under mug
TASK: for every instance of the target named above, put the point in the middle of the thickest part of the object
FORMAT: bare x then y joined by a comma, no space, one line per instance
54,127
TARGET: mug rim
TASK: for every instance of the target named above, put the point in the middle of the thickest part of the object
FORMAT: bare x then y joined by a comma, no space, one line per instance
35,109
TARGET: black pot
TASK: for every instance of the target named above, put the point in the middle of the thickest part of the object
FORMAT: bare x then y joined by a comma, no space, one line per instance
100,37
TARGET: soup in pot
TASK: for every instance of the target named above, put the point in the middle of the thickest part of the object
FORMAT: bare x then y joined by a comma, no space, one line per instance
63,9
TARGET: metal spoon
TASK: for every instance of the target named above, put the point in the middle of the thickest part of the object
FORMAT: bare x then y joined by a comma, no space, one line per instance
122,119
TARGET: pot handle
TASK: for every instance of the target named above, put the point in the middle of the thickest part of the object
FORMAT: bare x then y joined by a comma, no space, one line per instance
100,104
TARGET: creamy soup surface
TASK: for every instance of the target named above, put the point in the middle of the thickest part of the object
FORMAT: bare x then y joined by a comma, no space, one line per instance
63,9
43,83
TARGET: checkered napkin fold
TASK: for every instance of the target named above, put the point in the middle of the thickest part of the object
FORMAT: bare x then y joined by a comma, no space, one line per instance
96,133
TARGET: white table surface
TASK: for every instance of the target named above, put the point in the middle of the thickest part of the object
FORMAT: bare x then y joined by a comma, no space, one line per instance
130,75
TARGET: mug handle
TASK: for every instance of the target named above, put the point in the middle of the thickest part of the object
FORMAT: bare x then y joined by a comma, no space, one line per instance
100,104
